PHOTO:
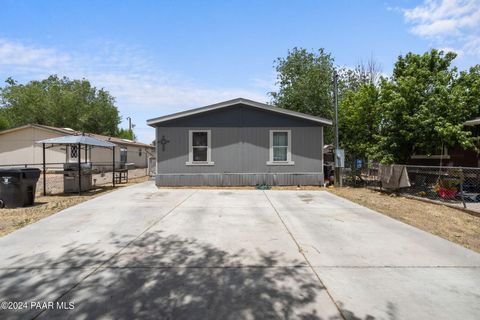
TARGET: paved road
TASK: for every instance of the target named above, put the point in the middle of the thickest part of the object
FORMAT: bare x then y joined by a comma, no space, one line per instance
141,252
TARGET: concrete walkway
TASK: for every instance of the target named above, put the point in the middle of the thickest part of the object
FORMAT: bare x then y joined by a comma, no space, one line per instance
143,252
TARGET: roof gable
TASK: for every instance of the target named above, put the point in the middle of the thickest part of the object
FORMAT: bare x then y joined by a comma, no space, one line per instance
238,101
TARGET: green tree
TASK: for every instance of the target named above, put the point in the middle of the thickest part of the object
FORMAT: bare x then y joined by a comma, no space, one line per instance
423,107
305,83
4,124
59,102
468,86
363,74
126,134
359,120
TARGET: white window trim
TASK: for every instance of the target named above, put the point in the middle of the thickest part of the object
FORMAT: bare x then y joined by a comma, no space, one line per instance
190,161
289,161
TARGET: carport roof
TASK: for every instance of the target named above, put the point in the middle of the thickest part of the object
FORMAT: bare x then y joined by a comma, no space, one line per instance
251,103
85,140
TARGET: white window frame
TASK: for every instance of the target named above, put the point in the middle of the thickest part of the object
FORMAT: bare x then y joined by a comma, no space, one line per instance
190,161
289,161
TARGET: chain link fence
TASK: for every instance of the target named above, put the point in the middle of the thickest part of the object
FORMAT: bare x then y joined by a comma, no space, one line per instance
101,175
456,186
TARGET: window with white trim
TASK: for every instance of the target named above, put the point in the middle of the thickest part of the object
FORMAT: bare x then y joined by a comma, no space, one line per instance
280,147
199,144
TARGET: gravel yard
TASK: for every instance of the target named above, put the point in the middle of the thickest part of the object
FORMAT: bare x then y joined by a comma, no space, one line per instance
451,224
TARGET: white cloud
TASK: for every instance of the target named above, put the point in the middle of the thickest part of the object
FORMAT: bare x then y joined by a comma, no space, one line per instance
125,72
142,88
267,84
156,95
472,45
459,52
451,23
16,54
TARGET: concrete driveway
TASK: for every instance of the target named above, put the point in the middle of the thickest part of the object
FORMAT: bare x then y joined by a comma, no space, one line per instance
143,252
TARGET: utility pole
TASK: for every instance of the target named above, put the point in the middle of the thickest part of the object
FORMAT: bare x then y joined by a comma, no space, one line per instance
130,127
338,179
129,124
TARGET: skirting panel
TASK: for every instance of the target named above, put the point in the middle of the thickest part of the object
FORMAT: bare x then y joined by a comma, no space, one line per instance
239,179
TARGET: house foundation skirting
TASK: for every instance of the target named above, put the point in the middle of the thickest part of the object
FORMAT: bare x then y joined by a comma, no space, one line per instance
238,179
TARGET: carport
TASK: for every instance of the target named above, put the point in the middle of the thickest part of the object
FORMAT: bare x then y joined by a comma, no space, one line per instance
78,141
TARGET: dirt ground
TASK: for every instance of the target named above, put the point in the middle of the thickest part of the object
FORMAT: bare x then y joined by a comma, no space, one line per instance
55,180
13,219
451,224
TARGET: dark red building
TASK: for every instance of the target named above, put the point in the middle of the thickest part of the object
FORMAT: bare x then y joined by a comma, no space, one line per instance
454,156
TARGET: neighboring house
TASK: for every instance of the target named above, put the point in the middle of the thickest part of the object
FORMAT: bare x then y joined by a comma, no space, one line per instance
239,142
455,156
17,146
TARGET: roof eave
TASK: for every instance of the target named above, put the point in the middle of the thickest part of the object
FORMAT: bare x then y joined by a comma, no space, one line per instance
153,122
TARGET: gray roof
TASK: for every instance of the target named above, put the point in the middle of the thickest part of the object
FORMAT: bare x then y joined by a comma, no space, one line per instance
228,103
85,140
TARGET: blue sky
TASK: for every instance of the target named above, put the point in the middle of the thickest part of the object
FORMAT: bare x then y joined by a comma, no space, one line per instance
159,57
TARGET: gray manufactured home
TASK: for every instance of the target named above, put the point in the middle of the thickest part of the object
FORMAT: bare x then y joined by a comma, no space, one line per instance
239,142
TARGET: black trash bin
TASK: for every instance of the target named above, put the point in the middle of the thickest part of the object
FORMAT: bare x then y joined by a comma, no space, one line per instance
17,186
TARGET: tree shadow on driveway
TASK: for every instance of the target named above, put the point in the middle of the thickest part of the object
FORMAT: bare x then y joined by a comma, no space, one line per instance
166,277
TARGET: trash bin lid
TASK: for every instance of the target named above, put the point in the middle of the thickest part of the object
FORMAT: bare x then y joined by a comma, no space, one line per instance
10,170
26,173
17,170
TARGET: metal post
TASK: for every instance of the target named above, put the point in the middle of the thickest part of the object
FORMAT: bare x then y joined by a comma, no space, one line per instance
462,179
79,153
129,124
113,167
338,180
86,153
44,173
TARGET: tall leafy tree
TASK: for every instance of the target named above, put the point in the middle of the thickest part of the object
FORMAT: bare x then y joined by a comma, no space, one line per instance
126,134
352,79
305,83
468,87
359,120
59,102
423,107
4,124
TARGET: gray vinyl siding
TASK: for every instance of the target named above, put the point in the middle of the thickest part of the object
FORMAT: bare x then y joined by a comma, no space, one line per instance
240,149
238,179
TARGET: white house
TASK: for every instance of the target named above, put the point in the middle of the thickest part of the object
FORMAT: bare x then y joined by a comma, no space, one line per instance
18,146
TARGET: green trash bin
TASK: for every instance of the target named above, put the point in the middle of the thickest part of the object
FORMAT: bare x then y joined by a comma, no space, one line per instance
18,186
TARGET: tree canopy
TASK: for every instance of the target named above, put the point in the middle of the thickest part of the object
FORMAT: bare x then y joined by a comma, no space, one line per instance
305,83
420,108
359,120
59,102
423,106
